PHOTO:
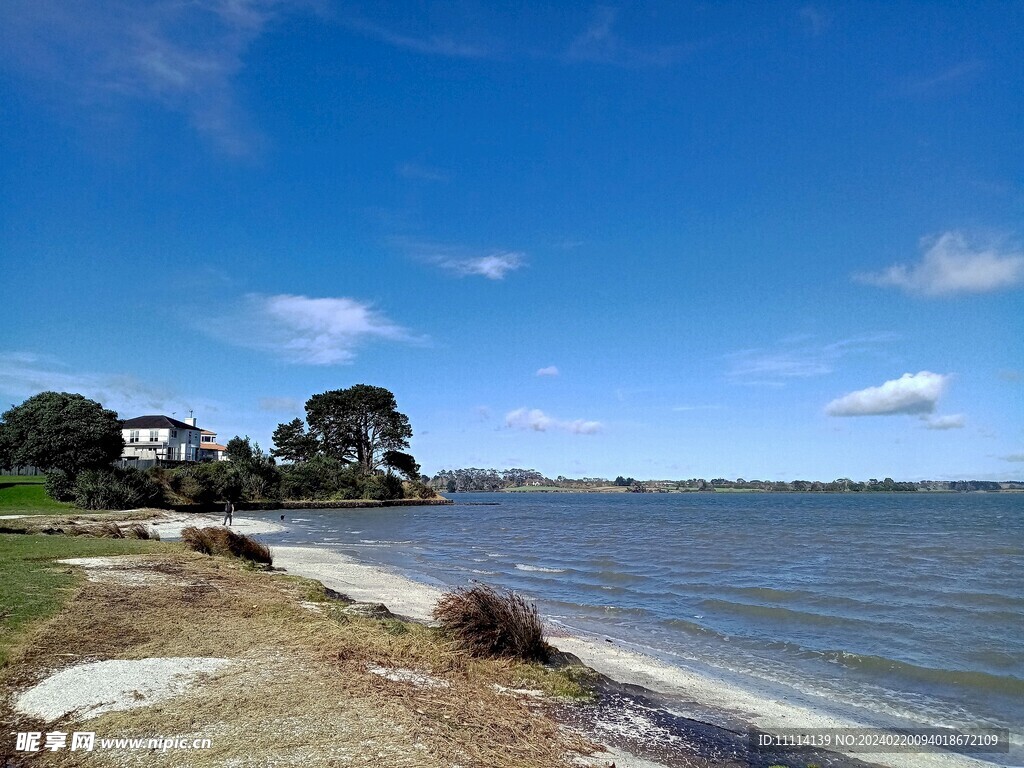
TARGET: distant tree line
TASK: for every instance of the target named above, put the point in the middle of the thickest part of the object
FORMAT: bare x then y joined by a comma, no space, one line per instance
483,480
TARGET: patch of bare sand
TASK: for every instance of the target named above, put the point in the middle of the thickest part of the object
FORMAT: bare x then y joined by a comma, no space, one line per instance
91,689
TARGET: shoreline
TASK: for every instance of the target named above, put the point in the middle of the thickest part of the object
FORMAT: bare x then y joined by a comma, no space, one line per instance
649,699
686,694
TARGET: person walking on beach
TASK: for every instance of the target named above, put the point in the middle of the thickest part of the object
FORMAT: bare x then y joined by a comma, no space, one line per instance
229,513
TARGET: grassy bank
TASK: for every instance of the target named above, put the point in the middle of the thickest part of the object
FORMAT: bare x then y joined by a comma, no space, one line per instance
34,586
26,495
311,682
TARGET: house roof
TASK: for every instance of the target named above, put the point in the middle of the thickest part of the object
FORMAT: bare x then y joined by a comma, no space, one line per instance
213,447
155,422
207,432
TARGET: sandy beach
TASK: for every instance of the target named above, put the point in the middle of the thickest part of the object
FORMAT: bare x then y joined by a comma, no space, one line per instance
693,695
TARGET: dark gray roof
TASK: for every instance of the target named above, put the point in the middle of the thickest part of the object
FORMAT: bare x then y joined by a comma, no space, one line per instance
155,422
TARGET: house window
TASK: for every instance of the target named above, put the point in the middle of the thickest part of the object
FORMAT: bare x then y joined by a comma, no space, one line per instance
174,433
154,435
133,436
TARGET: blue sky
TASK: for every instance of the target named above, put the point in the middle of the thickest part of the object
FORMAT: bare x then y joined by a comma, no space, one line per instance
659,239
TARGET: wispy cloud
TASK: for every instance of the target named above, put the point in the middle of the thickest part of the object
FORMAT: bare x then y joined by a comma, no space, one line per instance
494,265
598,42
797,358
688,408
307,330
551,370
912,393
181,55
429,44
816,21
419,172
952,265
280,405
1013,457
953,421
957,74
25,374
538,421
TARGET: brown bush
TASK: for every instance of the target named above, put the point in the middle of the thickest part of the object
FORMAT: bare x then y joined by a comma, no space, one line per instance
139,531
224,541
485,622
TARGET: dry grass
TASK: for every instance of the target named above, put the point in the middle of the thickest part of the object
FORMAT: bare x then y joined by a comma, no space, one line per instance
214,540
300,692
103,529
486,622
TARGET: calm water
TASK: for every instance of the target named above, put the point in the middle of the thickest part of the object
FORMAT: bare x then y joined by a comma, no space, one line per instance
885,606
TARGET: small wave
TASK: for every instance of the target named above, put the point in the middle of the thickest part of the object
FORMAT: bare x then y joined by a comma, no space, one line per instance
539,568
877,665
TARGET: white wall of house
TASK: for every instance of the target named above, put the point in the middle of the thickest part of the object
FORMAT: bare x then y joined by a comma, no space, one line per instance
164,443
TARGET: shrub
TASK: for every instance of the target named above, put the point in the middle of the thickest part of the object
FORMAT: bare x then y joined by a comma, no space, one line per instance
485,622
223,541
60,486
115,488
321,477
383,487
205,483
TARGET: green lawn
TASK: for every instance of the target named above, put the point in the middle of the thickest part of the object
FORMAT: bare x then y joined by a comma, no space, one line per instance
33,586
25,495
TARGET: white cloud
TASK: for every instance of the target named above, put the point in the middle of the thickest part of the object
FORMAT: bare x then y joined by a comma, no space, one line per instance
913,393
551,370
953,421
538,421
302,329
461,260
280,405
951,265
1014,457
24,374
181,56
493,266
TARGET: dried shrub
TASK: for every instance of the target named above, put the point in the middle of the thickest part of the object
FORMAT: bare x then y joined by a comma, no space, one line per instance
223,541
139,531
485,622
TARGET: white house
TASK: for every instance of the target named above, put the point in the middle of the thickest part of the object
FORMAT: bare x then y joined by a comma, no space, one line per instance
210,449
161,437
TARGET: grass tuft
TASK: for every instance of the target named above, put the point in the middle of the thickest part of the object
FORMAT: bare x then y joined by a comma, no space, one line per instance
215,540
485,622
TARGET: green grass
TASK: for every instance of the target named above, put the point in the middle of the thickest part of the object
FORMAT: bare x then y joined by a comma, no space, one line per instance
33,586
25,495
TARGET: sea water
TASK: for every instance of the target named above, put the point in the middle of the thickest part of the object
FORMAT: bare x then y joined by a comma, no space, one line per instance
885,608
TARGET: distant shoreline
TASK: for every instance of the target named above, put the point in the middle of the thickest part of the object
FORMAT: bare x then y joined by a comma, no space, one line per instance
688,491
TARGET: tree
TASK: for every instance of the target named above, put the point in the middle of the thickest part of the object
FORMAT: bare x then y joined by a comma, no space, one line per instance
292,443
61,430
239,450
359,424
403,462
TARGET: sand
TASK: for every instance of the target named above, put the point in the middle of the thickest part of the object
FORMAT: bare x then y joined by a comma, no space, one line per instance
171,525
88,690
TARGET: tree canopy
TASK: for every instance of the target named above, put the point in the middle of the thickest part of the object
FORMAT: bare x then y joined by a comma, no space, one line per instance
61,430
360,424
292,443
